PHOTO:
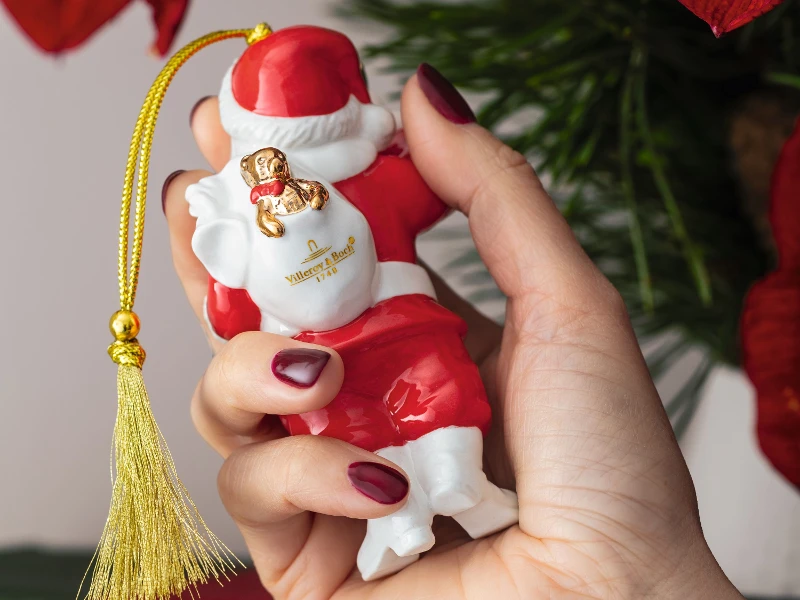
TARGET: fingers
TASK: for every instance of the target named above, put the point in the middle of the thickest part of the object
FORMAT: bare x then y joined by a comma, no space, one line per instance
191,272
518,230
212,140
573,383
263,484
271,491
257,374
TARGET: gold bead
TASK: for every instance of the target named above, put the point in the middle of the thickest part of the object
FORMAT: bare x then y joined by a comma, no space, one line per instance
124,325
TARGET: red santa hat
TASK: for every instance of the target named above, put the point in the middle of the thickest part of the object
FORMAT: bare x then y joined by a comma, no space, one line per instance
300,87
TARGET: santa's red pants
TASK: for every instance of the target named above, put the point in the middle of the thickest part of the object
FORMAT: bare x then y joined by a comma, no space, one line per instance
406,373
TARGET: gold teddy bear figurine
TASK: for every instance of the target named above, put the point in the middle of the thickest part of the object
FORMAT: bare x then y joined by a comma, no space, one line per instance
276,192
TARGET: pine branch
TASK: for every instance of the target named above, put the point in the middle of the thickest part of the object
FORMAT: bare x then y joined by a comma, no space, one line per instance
658,207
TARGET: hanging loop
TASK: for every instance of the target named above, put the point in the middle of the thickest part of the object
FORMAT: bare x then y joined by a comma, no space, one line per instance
137,168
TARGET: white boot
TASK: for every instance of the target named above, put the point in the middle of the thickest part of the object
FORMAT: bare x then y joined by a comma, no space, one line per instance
449,464
498,510
446,478
394,542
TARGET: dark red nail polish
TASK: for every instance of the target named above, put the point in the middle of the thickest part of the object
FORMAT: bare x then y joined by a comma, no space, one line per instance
195,107
443,96
167,181
378,482
299,367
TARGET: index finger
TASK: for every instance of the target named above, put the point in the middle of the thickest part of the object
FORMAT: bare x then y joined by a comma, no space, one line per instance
519,232
212,140
257,375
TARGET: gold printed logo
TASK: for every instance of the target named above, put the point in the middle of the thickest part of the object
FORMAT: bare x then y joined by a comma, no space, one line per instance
325,268
315,251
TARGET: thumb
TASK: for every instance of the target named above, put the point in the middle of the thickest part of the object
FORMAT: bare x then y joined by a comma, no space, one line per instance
518,231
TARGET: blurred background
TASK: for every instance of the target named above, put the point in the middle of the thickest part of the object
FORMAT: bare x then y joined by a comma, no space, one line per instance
657,139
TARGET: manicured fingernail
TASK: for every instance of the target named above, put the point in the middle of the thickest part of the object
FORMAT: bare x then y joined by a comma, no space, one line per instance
443,96
378,482
164,189
299,367
195,107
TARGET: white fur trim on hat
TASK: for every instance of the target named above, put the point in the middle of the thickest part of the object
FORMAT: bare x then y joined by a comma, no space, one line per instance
355,123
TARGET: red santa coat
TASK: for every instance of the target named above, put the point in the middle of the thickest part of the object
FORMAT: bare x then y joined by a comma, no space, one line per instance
406,371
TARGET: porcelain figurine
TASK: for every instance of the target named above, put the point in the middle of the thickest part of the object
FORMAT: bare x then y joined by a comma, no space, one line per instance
309,232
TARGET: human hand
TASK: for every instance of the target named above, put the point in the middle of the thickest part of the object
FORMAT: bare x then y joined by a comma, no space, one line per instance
607,507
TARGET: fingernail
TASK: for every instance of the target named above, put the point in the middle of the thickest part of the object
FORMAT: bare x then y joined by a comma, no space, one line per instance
299,367
195,107
443,96
167,181
378,482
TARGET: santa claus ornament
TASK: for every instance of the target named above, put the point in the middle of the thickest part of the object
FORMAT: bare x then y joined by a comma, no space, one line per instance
307,232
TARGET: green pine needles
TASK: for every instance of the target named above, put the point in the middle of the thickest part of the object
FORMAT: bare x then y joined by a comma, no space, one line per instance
626,106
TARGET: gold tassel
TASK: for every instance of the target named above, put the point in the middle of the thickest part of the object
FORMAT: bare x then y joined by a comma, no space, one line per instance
155,544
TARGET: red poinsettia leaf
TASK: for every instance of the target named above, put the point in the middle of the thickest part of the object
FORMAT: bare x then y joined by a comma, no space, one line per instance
770,335
58,25
784,213
167,16
727,15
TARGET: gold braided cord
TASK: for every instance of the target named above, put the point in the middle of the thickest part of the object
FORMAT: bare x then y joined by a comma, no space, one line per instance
127,353
139,152
155,545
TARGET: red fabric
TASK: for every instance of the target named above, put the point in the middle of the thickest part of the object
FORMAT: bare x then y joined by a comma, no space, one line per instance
244,586
396,215
770,325
59,25
726,15
406,373
298,71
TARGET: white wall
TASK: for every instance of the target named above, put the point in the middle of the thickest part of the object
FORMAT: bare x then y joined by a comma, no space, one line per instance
65,126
